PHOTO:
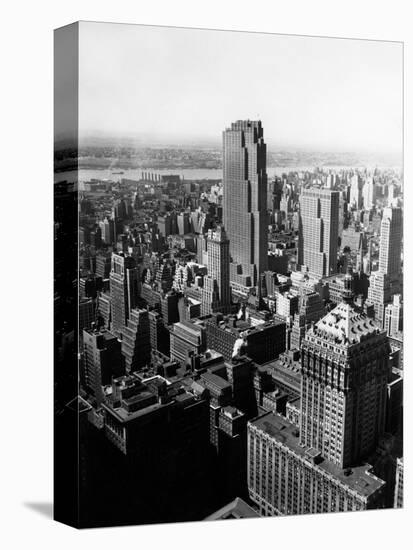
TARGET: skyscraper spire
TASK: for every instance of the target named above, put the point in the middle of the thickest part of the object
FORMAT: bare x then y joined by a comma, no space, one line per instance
348,292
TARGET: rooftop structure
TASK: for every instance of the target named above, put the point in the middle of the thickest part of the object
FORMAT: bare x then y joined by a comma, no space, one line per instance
236,509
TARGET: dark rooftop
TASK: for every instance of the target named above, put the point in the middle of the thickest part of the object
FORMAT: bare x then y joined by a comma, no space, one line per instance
215,380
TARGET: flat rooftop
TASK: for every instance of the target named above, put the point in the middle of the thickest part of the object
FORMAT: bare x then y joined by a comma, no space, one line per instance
284,374
188,326
357,478
122,415
215,380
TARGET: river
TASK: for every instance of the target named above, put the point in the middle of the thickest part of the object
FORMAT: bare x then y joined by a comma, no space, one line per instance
86,174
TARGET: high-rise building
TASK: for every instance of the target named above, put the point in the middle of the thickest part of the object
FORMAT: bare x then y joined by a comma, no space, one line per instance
379,293
321,466
103,309
187,337
355,191
108,230
391,195
216,293
310,309
153,427
169,307
201,249
103,264
231,336
398,490
86,313
183,220
167,224
159,334
393,316
182,277
285,478
390,242
123,290
136,340
385,282
101,361
318,233
369,193
345,370
245,201
286,304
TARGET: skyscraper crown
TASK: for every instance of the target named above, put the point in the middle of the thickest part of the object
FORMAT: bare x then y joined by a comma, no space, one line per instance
344,325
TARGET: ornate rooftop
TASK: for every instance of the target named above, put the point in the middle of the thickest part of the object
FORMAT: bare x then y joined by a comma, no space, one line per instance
345,324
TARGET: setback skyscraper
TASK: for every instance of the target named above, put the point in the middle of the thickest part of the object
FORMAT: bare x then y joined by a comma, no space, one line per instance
123,290
390,242
321,467
245,202
216,295
319,213
386,281
345,369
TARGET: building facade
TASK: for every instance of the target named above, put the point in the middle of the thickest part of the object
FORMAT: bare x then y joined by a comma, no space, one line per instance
136,340
345,369
101,360
123,290
318,231
245,200
216,293
284,478
390,242
317,462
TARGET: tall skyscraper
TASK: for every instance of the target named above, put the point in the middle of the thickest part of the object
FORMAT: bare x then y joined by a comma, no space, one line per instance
101,360
355,192
345,369
107,228
369,193
319,212
393,316
216,295
123,290
385,282
245,201
321,467
390,242
391,195
379,293
136,340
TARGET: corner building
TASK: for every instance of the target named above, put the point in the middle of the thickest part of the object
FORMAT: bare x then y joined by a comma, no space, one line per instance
321,467
285,478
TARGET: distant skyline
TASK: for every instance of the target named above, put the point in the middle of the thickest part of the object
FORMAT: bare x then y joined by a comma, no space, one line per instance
184,86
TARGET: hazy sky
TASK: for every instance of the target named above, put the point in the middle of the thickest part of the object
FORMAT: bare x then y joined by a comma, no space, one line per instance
184,85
